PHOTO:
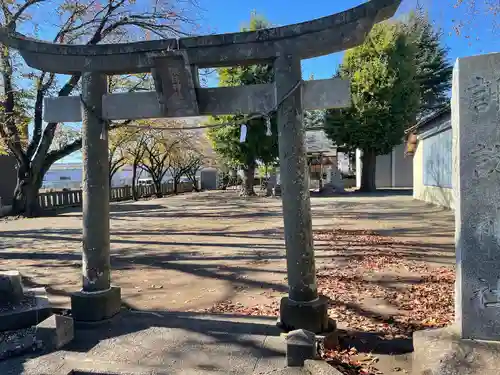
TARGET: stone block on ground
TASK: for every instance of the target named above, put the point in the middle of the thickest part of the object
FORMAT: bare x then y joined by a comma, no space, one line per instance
276,191
311,316
443,352
31,310
96,307
11,287
317,367
55,332
271,185
300,345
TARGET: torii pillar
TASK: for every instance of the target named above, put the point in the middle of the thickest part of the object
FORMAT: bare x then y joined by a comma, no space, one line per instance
302,308
98,300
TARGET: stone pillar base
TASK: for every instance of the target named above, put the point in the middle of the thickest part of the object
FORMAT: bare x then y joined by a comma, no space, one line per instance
311,316
95,307
443,352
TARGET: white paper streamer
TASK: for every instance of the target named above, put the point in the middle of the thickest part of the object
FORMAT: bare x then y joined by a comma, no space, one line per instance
268,125
243,133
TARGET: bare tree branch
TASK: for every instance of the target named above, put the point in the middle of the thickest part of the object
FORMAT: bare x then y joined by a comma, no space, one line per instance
15,17
79,21
55,155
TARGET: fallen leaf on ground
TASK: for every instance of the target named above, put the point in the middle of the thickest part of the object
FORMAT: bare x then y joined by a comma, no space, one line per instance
426,300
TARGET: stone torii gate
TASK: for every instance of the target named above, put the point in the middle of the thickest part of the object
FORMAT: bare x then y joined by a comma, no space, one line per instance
174,64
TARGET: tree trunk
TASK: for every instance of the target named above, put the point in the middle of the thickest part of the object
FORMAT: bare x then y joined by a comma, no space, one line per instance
111,174
134,178
25,200
247,182
368,168
192,177
176,185
157,185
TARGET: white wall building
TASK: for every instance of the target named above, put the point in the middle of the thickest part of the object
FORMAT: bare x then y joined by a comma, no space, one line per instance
393,170
69,176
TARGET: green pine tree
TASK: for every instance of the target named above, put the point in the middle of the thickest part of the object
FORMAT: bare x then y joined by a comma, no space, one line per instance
433,70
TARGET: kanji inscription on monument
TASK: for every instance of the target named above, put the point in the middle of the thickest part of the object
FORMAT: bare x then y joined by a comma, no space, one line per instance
175,86
476,188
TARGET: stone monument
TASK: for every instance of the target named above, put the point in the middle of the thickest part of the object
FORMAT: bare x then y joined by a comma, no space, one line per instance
472,345
174,64
271,184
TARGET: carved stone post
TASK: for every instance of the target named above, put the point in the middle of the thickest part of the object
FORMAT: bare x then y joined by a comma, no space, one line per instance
97,300
302,308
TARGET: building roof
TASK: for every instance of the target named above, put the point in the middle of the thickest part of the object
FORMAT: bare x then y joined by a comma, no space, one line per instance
429,121
63,166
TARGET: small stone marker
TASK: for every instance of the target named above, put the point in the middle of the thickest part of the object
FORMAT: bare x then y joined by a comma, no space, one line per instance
11,287
336,180
300,345
271,184
55,332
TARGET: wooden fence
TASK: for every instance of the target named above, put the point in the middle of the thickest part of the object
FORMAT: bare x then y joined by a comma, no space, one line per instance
73,198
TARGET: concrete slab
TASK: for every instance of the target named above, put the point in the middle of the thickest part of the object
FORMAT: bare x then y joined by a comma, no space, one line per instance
161,343
443,352
316,367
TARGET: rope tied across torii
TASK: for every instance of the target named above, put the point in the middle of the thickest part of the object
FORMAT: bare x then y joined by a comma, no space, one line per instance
174,64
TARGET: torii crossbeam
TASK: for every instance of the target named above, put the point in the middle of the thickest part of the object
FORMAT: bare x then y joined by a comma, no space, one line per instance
173,64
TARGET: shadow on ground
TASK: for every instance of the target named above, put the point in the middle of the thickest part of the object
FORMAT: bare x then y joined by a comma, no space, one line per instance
371,342
231,246
167,341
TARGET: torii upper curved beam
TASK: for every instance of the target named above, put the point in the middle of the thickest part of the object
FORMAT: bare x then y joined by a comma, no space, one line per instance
318,37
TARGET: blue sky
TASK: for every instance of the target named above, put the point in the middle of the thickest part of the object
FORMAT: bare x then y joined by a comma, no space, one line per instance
221,16
227,16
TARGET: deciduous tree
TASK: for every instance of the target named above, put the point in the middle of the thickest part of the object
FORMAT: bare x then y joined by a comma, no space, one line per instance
190,155
120,141
473,15
158,145
77,21
135,152
184,162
